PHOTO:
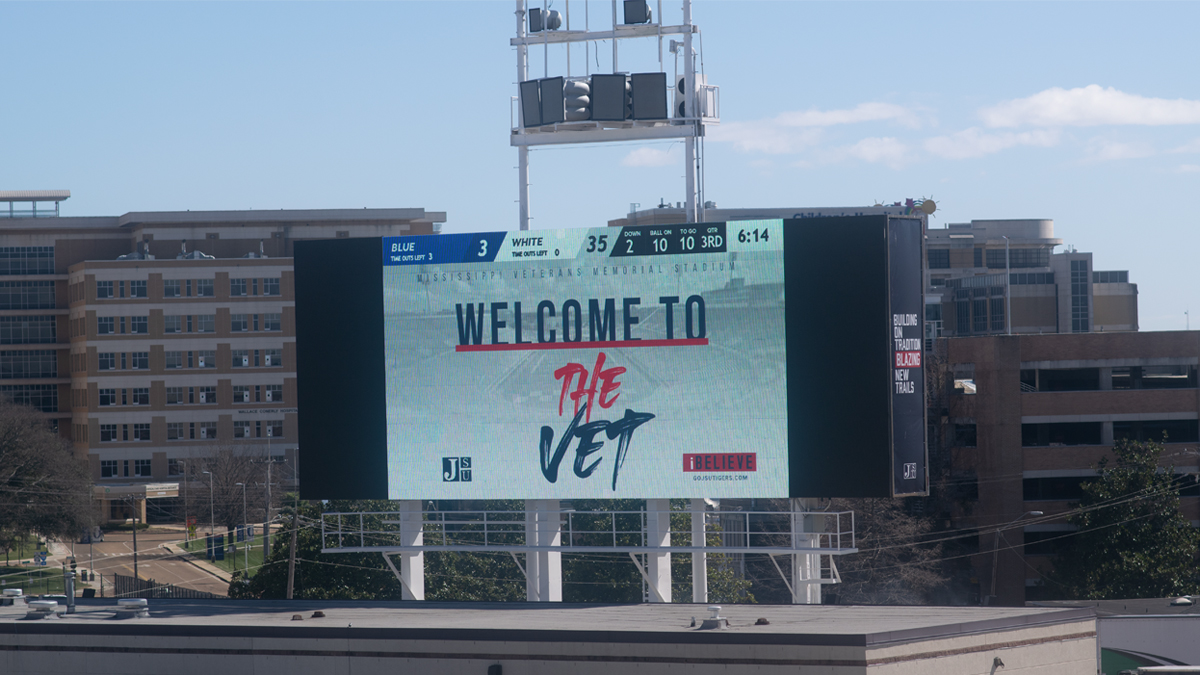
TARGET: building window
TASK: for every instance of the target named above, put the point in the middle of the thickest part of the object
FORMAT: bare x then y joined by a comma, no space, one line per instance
140,360
21,330
272,358
274,428
27,295
965,435
108,397
206,359
206,394
105,325
1079,296
241,430
1159,431
1031,278
272,322
241,358
1110,277
274,393
979,322
208,430
1018,258
173,324
139,325
238,323
28,364
1064,488
978,257
104,289
141,467
176,396
175,432
108,468
173,359
43,397
141,432
26,260
270,286
939,258
206,323
137,289
106,361
108,433
241,394
121,324
171,288
204,288
997,314
238,287
1060,433
174,466
139,396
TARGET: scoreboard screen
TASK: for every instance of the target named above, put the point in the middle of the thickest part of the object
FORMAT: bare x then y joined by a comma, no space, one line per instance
722,360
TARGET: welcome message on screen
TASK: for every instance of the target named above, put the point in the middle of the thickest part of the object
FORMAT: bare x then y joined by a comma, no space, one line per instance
599,363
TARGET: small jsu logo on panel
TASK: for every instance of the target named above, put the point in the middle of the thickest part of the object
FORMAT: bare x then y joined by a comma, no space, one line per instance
910,471
456,469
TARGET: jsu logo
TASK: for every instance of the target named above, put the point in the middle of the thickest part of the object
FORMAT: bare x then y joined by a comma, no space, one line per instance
910,471
456,469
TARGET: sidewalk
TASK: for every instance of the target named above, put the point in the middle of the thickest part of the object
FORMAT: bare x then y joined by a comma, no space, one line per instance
198,562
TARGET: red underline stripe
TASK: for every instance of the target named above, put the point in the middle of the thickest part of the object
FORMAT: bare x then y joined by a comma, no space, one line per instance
687,342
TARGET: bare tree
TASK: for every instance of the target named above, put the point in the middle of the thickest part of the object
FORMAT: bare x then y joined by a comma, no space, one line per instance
44,488
236,480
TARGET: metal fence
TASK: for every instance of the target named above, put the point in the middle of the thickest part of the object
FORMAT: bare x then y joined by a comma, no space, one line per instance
131,587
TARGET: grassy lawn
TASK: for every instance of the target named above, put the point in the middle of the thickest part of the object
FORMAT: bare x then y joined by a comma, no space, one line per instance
32,580
24,549
232,561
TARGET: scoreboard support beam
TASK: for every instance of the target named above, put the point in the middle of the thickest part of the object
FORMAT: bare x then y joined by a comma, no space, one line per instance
543,569
658,535
412,565
806,568
699,559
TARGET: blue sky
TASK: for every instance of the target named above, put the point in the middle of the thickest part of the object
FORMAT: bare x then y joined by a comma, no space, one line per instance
1087,113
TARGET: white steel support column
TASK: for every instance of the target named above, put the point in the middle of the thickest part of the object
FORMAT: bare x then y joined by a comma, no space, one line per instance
543,569
699,560
522,151
690,111
806,567
658,534
412,565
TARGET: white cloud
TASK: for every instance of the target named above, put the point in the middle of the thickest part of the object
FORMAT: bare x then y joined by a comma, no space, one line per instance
1101,150
1189,147
974,142
764,136
650,157
1092,105
880,150
863,112
1188,168
798,130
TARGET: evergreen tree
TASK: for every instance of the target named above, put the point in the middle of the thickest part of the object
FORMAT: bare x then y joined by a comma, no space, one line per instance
1133,541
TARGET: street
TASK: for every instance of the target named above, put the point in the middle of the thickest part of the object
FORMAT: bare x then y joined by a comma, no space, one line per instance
115,555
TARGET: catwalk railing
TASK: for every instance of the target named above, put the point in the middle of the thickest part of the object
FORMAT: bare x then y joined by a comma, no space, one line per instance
766,532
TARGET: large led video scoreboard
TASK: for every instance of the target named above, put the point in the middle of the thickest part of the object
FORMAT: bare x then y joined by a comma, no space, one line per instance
745,359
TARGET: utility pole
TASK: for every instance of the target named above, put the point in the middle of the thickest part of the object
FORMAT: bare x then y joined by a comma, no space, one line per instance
292,558
133,504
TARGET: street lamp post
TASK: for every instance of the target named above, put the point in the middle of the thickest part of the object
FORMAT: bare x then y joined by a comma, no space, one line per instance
212,512
996,544
185,499
245,537
1007,289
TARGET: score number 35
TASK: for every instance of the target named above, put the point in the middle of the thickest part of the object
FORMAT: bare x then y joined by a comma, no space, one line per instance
599,243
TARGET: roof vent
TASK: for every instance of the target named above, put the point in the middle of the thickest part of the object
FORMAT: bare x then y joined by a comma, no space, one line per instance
1182,601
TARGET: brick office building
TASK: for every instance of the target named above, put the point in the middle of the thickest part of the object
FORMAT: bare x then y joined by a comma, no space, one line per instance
151,338
1044,410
